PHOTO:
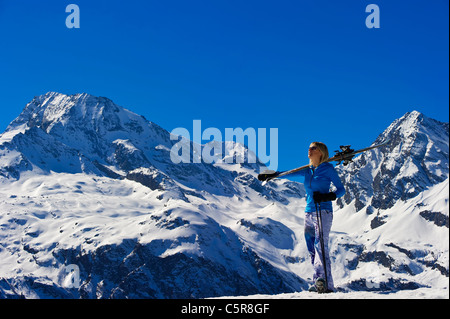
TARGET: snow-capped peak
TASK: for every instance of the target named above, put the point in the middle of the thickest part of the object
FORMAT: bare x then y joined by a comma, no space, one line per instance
51,109
415,159
88,188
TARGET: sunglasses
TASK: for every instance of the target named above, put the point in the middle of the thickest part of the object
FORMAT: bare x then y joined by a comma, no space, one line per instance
313,148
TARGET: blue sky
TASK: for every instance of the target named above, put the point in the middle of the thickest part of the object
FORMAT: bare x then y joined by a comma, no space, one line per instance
312,69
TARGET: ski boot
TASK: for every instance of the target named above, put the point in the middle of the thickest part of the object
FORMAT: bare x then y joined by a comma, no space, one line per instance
321,286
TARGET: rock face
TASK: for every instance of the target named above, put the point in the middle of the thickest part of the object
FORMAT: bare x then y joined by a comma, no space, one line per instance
92,206
176,244
415,159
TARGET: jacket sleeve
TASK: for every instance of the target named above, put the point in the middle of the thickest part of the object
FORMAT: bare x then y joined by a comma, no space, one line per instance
337,182
301,173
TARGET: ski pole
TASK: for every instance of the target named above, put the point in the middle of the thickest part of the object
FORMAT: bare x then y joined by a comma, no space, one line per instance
322,245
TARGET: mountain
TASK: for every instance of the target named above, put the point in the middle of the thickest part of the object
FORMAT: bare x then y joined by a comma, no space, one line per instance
415,159
92,206
395,209
88,183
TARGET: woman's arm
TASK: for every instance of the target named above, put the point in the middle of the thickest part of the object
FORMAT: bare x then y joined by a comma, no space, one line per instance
337,182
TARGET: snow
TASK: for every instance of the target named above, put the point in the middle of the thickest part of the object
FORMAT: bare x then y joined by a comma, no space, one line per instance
57,208
70,210
421,293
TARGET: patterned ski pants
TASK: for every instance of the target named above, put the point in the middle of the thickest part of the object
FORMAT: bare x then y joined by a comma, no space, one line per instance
314,246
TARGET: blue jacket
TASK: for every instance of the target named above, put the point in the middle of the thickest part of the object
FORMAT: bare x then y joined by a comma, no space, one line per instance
319,180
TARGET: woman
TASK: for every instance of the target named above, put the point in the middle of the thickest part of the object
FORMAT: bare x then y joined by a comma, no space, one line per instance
319,212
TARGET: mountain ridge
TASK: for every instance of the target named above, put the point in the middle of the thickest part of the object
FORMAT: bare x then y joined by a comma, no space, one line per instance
406,161
101,195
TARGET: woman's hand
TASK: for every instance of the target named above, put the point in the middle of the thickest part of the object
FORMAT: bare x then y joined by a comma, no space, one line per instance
323,197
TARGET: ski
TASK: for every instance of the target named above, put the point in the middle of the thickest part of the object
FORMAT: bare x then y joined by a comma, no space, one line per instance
345,155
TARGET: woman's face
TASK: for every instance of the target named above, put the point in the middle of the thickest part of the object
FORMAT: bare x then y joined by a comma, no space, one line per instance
314,153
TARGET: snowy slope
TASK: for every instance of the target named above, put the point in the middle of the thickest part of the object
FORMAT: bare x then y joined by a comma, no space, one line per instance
396,207
419,293
89,196
416,158
102,224
83,178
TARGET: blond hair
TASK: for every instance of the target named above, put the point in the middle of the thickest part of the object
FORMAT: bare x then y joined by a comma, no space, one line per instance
323,149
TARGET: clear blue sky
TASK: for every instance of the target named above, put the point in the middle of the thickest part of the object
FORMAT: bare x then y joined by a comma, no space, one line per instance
312,69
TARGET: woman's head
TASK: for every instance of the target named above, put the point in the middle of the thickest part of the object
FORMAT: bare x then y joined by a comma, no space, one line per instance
317,153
